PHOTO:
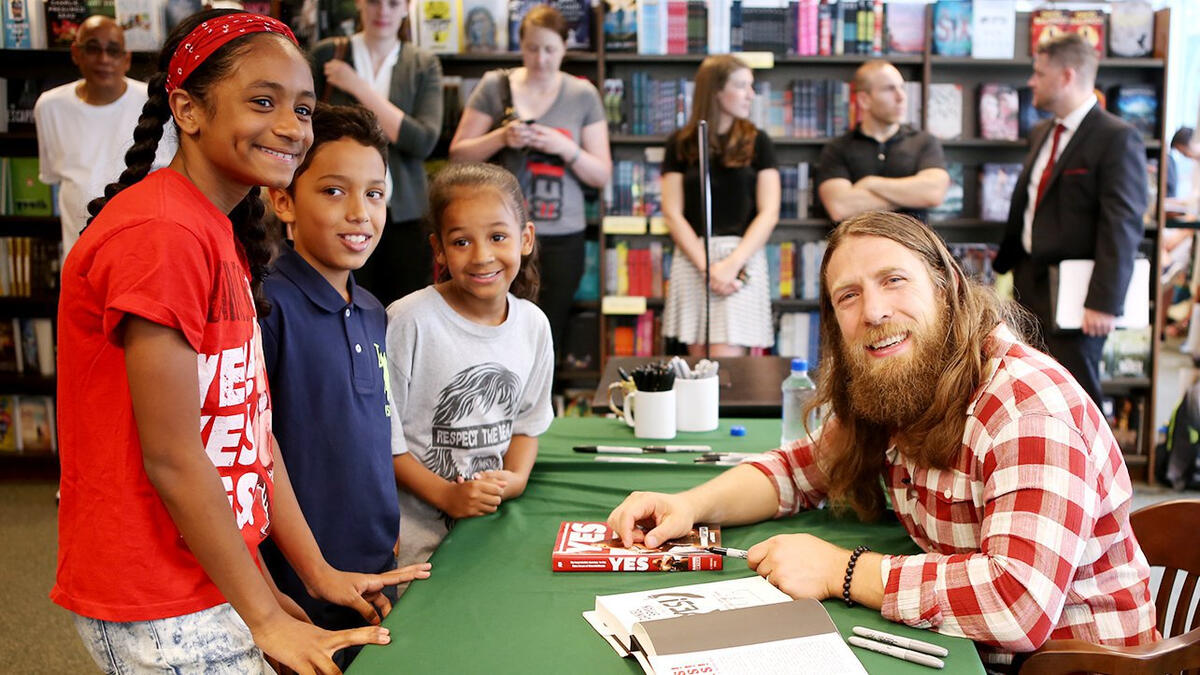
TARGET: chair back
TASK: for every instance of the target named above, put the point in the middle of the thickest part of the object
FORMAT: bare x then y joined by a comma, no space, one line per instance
1169,535
1165,532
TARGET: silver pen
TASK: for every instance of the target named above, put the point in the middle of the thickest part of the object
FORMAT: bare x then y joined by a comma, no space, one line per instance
906,643
896,652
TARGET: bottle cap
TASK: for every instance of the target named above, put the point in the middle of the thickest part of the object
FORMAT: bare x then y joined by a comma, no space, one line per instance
737,430
799,364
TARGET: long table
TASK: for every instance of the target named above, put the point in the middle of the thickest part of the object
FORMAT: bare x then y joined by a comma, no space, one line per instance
492,605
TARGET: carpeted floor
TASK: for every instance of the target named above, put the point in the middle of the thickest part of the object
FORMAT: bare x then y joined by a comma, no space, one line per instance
36,636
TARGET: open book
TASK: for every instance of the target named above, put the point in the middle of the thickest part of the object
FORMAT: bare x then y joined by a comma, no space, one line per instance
732,626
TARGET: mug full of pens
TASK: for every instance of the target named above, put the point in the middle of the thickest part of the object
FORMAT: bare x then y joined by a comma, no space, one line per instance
697,395
650,407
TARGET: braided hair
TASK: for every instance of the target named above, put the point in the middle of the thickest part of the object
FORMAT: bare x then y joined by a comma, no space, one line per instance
247,216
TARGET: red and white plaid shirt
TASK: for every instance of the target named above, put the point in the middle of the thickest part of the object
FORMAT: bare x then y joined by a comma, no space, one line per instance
1027,537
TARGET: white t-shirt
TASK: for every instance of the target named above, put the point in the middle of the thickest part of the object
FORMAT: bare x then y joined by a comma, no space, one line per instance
463,390
81,147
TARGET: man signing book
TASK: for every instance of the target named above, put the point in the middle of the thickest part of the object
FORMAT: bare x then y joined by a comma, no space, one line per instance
998,463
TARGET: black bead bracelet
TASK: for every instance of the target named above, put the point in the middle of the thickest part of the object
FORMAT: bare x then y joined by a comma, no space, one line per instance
850,573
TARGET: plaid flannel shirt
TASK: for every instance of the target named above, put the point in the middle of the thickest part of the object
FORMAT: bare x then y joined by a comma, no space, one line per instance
1027,537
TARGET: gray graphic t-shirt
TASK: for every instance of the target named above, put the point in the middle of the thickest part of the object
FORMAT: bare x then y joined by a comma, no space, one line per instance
463,390
554,194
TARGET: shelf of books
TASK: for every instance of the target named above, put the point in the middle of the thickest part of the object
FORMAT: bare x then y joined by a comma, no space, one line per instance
642,57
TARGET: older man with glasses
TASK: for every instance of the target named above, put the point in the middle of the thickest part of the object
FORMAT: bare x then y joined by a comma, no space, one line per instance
84,127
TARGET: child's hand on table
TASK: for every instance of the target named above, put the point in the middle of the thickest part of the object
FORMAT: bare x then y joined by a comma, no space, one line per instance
476,497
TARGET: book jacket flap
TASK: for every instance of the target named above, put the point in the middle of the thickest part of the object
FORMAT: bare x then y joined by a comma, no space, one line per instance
734,627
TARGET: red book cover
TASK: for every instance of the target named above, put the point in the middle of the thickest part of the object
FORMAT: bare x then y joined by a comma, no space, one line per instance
594,547
1045,24
1090,24
677,27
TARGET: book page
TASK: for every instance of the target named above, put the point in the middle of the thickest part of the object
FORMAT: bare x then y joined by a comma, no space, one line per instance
780,657
1072,278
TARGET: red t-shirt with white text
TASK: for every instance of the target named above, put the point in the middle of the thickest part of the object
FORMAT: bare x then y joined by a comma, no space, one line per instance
161,251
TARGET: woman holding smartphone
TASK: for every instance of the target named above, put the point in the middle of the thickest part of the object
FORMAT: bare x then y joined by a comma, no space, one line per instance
549,129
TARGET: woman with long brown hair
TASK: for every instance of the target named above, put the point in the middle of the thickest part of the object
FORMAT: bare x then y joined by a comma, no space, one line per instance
745,208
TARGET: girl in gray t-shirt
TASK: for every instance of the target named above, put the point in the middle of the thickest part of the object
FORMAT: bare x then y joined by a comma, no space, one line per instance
469,362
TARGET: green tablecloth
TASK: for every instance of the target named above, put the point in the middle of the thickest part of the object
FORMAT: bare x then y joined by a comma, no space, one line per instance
492,605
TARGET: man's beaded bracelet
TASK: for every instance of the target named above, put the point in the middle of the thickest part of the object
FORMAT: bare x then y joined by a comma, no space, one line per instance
850,573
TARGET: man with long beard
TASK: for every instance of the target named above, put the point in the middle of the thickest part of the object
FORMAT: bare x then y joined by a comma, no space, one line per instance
998,464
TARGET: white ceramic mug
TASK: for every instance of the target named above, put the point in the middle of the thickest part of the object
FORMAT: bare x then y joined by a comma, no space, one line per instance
697,403
651,413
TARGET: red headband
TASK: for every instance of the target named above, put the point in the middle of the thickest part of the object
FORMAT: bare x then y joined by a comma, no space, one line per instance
209,36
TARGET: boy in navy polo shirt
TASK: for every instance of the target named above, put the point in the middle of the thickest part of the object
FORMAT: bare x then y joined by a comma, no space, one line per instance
323,343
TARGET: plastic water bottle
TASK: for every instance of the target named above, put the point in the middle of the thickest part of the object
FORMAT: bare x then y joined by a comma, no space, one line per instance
798,388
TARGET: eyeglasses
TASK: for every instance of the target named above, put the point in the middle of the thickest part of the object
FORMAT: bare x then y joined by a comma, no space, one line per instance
95,49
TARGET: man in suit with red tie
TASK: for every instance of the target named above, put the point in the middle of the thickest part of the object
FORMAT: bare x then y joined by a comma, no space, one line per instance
1081,195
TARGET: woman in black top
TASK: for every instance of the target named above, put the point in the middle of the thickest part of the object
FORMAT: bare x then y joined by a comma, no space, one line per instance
745,208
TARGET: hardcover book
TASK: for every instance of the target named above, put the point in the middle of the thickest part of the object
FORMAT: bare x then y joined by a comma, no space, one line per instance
1136,104
29,196
996,19
996,184
952,205
905,27
485,25
438,25
765,640
36,423
952,28
620,26
143,21
9,434
1131,28
1045,24
594,547
615,615
17,25
578,15
10,352
998,106
1090,24
62,22
946,110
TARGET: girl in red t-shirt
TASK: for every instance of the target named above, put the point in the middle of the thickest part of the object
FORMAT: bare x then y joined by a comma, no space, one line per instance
159,526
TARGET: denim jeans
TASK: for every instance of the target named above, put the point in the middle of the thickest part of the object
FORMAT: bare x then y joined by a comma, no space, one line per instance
214,640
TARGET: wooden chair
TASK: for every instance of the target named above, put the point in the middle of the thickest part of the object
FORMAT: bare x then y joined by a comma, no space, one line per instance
1169,534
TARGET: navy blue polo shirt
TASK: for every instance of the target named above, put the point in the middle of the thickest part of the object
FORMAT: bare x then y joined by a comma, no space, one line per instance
332,417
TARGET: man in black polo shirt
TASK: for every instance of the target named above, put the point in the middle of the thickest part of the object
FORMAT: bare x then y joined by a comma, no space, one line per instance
881,164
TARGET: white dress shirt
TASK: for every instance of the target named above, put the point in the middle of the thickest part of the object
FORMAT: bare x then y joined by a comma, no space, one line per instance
1070,123
380,79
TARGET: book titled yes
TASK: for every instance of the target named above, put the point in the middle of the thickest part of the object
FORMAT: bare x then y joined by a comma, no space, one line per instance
595,547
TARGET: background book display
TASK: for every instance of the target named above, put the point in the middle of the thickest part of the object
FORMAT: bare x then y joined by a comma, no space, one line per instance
642,57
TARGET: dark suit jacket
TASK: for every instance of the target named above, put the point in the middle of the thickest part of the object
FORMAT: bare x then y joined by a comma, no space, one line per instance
416,88
1092,209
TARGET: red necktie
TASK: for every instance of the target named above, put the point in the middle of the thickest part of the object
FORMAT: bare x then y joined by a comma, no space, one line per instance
1044,181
